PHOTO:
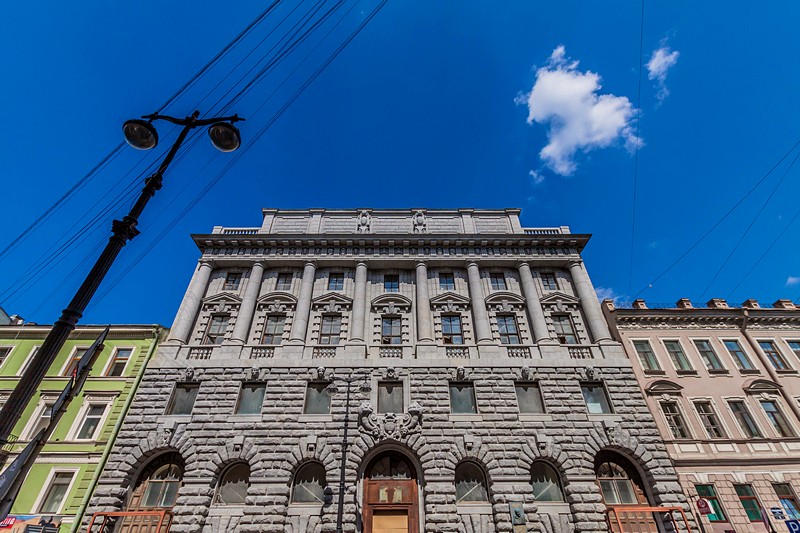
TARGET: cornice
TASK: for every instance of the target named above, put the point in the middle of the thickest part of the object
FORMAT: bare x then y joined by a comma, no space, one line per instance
121,332
706,318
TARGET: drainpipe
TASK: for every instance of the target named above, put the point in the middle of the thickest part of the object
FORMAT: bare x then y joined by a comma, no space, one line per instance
158,332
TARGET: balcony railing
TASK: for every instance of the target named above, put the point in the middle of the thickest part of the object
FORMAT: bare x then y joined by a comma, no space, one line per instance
138,521
200,352
390,351
262,352
239,231
457,351
644,519
580,352
519,351
324,351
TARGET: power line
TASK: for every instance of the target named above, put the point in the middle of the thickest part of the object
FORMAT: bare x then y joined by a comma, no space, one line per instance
636,147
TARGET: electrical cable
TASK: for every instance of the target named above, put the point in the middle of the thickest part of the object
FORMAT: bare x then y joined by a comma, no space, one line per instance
636,148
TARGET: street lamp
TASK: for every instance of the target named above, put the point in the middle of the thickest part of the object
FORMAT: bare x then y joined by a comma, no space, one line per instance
142,135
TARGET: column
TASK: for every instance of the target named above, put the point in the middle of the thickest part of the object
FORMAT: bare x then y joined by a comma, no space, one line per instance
187,312
541,335
359,305
245,317
589,302
424,317
483,332
301,314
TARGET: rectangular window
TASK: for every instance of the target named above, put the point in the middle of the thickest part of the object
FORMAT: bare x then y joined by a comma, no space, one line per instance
251,398
565,331
284,282
529,397
596,398
549,282
42,421
318,401
390,397
774,355
507,328
749,502
462,398
788,500
675,352
331,329
183,398
72,365
391,330
675,420
451,329
91,422
707,492
217,328
273,329
646,355
4,351
794,345
777,419
741,359
498,281
745,420
447,281
709,419
391,283
708,355
119,361
335,281
27,361
232,281
56,493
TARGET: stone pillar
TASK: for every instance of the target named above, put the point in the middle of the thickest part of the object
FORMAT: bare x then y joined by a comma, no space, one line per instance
424,316
245,317
359,305
187,312
541,335
480,317
589,302
301,314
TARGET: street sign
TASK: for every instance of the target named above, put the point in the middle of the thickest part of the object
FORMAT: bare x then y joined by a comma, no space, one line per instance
703,506
794,526
777,512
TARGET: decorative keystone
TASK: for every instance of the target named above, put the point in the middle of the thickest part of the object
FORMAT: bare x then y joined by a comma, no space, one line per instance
390,425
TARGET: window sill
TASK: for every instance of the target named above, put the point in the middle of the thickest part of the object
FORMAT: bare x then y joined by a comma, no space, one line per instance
474,508
534,417
178,419
304,509
315,418
465,417
552,507
687,372
718,371
654,373
749,371
226,510
787,371
246,418
611,417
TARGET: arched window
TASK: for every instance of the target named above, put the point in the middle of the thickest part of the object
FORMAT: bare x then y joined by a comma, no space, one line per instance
545,482
309,484
619,481
158,484
470,483
233,485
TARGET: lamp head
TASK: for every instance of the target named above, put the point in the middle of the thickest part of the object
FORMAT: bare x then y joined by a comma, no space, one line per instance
140,134
224,136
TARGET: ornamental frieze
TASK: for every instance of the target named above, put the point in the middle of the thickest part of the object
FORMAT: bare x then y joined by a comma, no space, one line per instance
391,251
390,425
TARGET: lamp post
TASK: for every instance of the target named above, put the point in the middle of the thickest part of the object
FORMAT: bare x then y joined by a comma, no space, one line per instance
142,135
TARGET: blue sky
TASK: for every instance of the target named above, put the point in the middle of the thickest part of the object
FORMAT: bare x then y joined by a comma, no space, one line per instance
428,106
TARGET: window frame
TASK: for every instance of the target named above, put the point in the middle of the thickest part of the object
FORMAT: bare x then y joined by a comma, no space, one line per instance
508,337
711,499
5,359
652,353
399,383
325,338
467,384
335,281
218,488
748,414
495,279
389,281
484,483
266,332
169,409
83,414
43,493
674,360
309,386
714,412
28,432
748,497
447,338
774,423
708,362
792,496
113,359
550,276
395,320
207,334
323,484
789,342
786,366
26,363
736,359
679,414
555,318
535,385
233,281
559,482
279,282
72,361
609,405
445,285
258,384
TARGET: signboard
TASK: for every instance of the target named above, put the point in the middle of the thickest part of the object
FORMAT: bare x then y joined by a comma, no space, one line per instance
517,514
793,525
703,506
777,512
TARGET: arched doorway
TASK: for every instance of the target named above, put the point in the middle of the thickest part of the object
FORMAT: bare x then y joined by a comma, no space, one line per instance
154,494
623,492
391,502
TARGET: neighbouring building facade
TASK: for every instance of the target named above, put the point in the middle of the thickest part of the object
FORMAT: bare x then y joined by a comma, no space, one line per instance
723,386
389,371
58,486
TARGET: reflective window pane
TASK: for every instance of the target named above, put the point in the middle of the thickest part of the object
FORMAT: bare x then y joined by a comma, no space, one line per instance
183,399
91,421
232,488
470,483
596,398
462,398
56,493
318,401
446,281
390,397
309,484
546,484
529,398
251,398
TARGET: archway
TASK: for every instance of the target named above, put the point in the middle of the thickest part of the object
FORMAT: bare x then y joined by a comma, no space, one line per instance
624,493
391,502
150,504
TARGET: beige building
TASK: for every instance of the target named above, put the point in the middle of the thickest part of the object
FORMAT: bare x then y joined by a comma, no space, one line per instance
723,386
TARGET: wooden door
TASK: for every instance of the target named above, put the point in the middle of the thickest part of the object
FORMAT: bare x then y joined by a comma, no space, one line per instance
625,498
390,497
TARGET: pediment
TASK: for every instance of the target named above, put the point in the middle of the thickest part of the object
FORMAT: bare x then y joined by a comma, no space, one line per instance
505,301
277,302
332,302
757,385
557,296
450,301
662,386
222,297
391,303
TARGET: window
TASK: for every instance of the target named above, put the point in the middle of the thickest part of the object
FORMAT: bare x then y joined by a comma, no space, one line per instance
549,282
56,493
232,281
676,354
391,283
162,487
507,327
233,485
708,356
529,397
451,329
273,329
4,351
330,330
391,331
447,281
91,422
646,355
749,502
788,500
284,282
335,281
777,419
42,419
119,361
741,359
318,401
462,398
183,398
470,483
28,360
596,398
794,345
616,485
217,327
546,483
565,331
72,364
675,420
707,492
497,281
709,419
251,398
745,420
309,484
774,356
390,397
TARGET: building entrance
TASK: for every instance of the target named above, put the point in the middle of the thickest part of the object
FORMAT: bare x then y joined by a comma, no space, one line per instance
390,496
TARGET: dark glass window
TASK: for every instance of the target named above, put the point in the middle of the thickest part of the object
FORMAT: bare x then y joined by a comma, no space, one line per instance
794,345
232,281
529,397
741,359
565,331
183,398
91,422
451,329
391,283
251,398
391,330
596,397
507,328
72,365
233,485
675,352
646,355
675,420
331,329
56,493
745,420
774,355
462,398
546,483
217,328
447,281
749,502
788,500
708,355
390,397
709,419
549,282
498,281
335,281
707,492
284,282
775,416
119,361
273,329
471,483
309,484
318,401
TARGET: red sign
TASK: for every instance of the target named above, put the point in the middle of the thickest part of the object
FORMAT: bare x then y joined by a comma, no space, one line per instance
703,506
8,522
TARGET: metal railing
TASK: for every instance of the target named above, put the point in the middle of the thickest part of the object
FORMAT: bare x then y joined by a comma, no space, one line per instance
239,231
138,521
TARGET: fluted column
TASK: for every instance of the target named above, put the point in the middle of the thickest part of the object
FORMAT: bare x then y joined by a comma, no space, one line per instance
541,335
480,317
589,302
246,310
187,312
359,304
303,310
424,317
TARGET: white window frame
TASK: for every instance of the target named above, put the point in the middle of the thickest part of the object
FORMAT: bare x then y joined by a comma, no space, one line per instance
776,342
783,408
72,435
744,351
717,411
682,412
69,358
10,353
27,360
753,415
46,487
691,369
649,341
715,350
111,360
37,414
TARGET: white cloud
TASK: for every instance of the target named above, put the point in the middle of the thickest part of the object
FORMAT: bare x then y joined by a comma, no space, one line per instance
660,62
607,293
537,177
791,281
578,119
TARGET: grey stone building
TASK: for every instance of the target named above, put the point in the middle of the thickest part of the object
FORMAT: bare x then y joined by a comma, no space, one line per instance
389,370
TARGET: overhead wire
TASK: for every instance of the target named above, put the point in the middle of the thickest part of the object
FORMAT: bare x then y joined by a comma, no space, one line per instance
636,147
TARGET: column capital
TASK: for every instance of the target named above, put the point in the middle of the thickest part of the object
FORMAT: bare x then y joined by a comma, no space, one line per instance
420,262
360,262
310,263
523,264
207,262
574,262
470,262
260,263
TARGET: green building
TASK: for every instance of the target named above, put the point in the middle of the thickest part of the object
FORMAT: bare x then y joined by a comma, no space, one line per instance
61,481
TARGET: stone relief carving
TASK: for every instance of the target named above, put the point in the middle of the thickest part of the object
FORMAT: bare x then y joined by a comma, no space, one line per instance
364,222
420,223
390,425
